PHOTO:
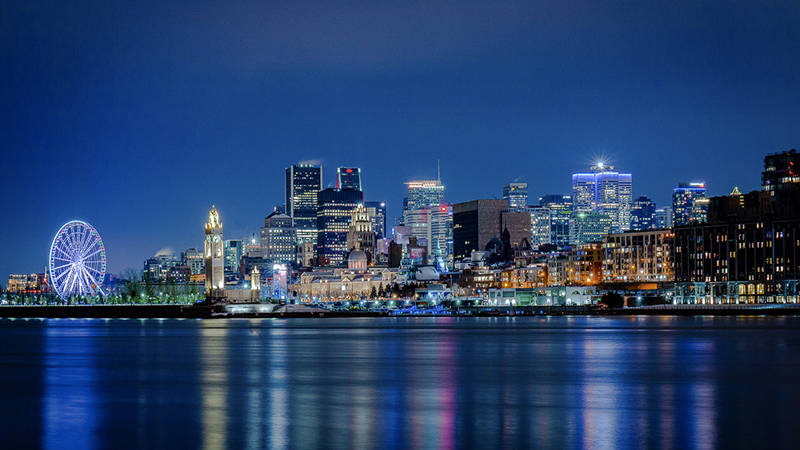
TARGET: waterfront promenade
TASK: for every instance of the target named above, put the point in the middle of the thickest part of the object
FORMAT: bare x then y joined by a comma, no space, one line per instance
302,310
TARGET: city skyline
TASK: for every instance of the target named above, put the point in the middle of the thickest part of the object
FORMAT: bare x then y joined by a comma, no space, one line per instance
393,213
138,125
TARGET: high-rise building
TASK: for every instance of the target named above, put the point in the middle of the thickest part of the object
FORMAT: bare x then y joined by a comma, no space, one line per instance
377,211
422,196
643,214
541,226
333,222
689,204
233,255
516,194
606,191
193,259
279,238
303,182
475,223
781,171
588,227
663,218
423,193
215,256
360,235
348,178
560,207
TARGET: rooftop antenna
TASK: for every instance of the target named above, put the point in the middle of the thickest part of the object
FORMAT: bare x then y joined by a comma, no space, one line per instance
438,172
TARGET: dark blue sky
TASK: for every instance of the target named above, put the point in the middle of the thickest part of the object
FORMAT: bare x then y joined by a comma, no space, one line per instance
137,116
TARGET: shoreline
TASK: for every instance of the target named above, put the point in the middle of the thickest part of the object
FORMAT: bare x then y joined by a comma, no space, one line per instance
219,311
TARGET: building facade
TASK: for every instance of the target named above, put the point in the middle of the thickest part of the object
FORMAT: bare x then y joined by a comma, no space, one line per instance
639,256
541,226
585,227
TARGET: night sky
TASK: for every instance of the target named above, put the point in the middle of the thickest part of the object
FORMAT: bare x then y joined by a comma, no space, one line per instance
137,116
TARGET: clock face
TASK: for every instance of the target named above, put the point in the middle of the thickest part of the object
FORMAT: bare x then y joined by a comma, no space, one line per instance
216,238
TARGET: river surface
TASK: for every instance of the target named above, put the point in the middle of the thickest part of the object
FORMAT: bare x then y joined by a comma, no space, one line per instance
547,382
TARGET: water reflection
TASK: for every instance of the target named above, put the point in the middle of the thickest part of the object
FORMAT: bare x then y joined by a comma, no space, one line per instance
412,382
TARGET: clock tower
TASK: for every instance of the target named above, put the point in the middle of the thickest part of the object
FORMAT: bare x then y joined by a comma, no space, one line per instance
214,257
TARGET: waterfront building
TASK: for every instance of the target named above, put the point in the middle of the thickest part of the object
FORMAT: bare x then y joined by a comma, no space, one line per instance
234,250
588,227
543,296
360,235
748,251
643,214
303,182
279,238
349,178
561,208
215,257
663,218
541,226
585,267
475,223
377,211
688,203
516,194
639,256
340,284
335,208
606,191
193,259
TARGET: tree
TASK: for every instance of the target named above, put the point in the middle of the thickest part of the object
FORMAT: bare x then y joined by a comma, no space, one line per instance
373,293
612,300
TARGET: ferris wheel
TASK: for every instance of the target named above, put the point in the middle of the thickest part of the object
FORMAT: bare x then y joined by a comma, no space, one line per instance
77,260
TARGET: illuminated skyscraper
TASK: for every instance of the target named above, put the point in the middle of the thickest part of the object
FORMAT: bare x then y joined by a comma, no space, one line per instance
421,194
333,222
303,182
560,207
279,238
643,214
689,203
541,226
606,191
233,254
516,194
663,218
348,178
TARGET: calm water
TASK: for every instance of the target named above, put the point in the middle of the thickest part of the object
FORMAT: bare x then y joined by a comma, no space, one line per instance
560,382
